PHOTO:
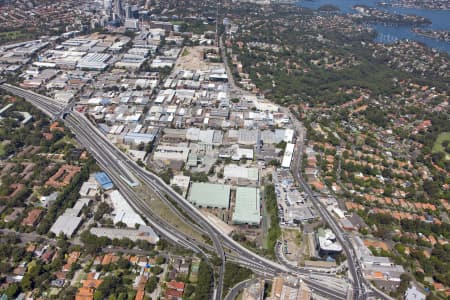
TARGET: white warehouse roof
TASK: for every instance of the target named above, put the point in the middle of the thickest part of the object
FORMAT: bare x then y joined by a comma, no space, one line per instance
123,212
164,152
287,157
66,224
234,171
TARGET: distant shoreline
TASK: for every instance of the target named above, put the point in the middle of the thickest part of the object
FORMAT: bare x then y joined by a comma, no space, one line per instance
417,5
441,35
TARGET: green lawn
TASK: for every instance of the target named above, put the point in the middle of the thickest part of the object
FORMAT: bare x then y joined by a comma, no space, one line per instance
437,147
185,52
177,22
9,36
2,149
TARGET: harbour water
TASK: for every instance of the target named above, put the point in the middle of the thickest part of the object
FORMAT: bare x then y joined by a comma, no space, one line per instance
387,33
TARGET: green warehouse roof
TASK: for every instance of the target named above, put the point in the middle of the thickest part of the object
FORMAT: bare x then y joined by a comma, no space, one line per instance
247,207
210,195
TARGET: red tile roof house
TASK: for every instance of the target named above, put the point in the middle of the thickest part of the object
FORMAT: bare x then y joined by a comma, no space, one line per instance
174,290
16,189
176,285
140,295
32,218
173,294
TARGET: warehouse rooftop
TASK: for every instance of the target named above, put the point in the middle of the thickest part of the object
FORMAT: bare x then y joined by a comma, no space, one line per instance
247,207
210,195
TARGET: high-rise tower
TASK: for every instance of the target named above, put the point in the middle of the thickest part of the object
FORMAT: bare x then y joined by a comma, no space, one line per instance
118,9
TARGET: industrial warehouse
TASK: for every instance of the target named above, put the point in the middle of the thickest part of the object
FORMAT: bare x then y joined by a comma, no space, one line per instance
246,201
210,195
247,207
254,149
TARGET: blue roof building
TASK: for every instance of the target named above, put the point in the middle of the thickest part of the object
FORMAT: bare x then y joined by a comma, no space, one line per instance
104,180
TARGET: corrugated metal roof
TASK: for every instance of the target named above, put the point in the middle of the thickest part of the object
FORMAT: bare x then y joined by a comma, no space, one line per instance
247,207
210,195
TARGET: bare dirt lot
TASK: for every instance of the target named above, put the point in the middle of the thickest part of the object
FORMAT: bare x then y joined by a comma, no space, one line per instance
297,246
191,58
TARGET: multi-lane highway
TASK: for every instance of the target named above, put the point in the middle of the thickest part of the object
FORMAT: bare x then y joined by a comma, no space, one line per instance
115,167
47,105
109,156
155,183
104,149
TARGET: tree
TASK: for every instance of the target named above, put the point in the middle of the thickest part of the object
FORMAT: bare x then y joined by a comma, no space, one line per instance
189,290
5,267
271,206
281,145
140,163
26,284
431,187
12,291
233,275
62,242
159,260
204,282
167,175
103,208
216,260
152,283
112,287
67,293
123,263
93,243
199,177
98,295
156,270
121,224
274,162
177,189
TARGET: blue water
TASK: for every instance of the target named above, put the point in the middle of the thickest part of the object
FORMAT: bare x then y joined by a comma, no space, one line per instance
387,34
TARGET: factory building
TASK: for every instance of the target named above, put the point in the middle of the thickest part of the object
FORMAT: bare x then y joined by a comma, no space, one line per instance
94,61
287,157
123,212
239,174
66,224
210,195
138,138
166,152
247,206
70,220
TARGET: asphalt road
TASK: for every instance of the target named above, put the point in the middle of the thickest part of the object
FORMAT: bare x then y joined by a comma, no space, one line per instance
361,288
235,290
296,171
102,147
115,167
28,237
108,157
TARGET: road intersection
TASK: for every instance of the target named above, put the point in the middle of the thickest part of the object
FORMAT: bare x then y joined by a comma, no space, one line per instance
108,156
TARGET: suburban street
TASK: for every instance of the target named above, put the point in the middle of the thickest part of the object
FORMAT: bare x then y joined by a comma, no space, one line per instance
361,288
108,155
211,150
356,275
